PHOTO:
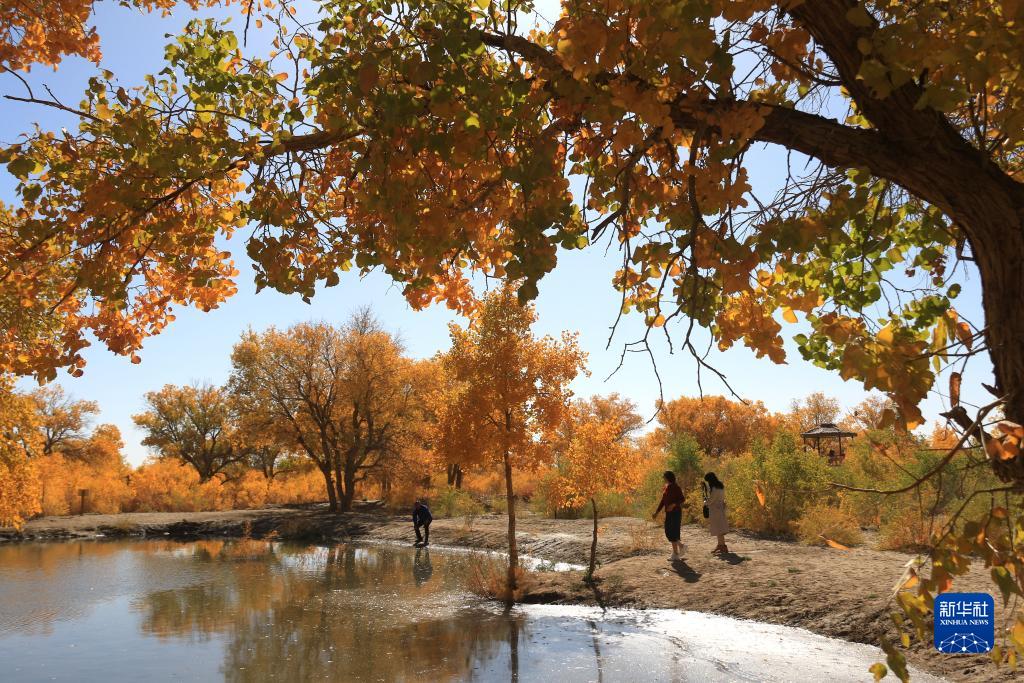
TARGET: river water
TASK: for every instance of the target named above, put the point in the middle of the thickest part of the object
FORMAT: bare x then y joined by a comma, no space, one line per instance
245,610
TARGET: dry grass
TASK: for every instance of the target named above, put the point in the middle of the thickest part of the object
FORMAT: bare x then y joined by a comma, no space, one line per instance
488,578
642,538
821,523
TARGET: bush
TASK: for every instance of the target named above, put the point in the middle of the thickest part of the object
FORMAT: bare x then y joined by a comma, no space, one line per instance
62,478
488,578
686,459
546,499
453,502
911,532
643,537
822,521
789,478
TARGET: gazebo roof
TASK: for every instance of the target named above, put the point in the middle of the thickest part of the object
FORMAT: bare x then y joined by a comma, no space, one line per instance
827,429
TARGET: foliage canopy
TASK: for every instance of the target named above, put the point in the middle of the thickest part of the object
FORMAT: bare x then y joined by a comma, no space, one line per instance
429,139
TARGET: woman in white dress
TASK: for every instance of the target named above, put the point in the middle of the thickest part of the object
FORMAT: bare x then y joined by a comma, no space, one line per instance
714,499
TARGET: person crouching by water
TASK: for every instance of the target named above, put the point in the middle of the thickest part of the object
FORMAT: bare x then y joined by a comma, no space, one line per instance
672,500
714,499
421,517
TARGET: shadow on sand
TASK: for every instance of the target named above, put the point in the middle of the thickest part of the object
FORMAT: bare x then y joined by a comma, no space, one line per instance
732,558
686,571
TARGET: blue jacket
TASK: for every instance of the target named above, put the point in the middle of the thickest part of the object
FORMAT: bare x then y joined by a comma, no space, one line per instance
421,514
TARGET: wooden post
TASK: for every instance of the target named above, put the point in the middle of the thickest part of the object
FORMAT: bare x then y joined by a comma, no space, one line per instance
83,493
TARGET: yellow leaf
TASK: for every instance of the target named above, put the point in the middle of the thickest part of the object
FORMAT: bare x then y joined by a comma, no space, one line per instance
1017,632
788,315
885,335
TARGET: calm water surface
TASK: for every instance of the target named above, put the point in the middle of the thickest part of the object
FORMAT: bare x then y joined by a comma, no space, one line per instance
246,610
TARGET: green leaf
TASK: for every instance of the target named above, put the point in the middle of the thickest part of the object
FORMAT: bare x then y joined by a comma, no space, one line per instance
20,167
32,192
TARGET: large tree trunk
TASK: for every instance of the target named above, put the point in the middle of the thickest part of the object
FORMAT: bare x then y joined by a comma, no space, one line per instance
332,496
346,483
455,475
997,240
918,148
513,552
991,214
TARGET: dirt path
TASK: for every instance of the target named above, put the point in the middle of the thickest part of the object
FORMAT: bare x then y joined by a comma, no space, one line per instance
838,593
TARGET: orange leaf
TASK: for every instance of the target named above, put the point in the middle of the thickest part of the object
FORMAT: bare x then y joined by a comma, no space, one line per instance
760,494
835,544
955,379
963,334
1011,429
367,75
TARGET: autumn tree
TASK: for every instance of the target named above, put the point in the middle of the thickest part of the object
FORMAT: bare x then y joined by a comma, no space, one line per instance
813,410
194,424
512,394
614,409
101,449
345,397
598,460
718,424
20,439
62,418
431,138
874,412
645,100
47,32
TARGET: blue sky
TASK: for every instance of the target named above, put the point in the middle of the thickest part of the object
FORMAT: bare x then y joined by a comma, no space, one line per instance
577,296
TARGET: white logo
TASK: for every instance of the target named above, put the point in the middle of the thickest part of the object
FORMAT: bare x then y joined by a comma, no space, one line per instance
964,642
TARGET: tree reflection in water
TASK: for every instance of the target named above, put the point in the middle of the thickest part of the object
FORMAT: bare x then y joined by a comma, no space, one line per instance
340,613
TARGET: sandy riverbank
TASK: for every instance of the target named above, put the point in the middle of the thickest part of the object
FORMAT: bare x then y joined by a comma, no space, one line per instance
838,593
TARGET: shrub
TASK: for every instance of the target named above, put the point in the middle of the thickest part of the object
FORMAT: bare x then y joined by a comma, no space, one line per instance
453,502
686,459
821,522
789,478
62,478
909,532
546,498
296,487
643,537
488,578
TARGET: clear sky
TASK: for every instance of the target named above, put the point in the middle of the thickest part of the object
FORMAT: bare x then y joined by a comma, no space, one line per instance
577,296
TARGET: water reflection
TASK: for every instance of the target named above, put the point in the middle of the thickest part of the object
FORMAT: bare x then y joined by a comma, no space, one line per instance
248,610
342,613
422,570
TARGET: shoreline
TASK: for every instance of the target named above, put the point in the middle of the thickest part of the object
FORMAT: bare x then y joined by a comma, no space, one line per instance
841,594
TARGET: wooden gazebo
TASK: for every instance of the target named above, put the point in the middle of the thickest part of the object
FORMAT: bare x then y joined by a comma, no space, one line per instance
828,433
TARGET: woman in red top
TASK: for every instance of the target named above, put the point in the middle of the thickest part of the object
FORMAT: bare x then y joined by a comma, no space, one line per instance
672,501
